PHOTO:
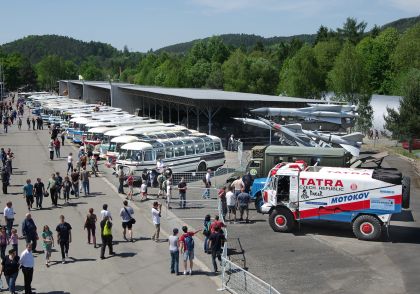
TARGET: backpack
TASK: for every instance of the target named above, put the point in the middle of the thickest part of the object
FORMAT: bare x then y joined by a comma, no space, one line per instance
189,242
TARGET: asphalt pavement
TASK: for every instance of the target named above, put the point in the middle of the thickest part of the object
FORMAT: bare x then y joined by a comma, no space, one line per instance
139,267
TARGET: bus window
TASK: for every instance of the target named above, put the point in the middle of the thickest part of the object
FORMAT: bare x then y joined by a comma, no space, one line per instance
160,153
148,155
179,151
189,150
169,152
199,148
209,147
217,146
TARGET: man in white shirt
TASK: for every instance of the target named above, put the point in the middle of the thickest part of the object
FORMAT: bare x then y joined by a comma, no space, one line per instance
105,212
69,163
27,264
160,166
156,209
231,202
9,217
127,220
207,183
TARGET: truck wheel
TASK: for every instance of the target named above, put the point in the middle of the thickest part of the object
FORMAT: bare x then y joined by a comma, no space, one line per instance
367,227
406,192
258,202
281,220
202,167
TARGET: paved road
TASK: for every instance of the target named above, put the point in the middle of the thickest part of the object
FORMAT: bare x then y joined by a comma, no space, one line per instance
327,258
142,266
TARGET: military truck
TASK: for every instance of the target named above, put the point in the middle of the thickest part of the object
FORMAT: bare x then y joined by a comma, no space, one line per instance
264,158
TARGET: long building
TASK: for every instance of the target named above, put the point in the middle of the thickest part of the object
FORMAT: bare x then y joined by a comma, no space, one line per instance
207,110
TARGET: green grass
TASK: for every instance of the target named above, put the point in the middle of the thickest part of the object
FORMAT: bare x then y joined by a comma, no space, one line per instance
404,152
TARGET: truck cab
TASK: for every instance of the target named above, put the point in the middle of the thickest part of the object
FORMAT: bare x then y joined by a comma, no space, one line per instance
366,198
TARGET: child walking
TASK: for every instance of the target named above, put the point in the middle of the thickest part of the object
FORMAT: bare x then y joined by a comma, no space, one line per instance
47,244
13,240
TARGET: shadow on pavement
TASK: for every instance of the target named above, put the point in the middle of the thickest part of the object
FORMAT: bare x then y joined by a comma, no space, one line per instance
404,216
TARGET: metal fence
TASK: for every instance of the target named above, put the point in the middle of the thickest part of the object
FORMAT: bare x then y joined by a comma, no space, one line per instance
235,278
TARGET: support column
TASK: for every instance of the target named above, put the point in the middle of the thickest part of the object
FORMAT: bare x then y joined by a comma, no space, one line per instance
188,120
178,114
155,109
170,114
149,106
198,119
142,107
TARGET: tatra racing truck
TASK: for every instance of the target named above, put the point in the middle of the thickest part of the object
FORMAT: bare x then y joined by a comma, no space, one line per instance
366,198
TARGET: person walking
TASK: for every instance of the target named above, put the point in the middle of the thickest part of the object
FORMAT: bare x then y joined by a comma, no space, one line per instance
5,179
27,265
216,223
69,163
216,241
106,236
238,185
33,123
121,179
105,212
84,177
174,251
39,190
127,221
143,191
75,176
243,202
67,185
222,197
156,214
187,248
51,149
29,231
130,183
231,204
57,146
47,243
206,231
28,122
182,189
28,193
14,239
10,268
63,230
3,242
20,123
169,192
207,185
52,186
59,184
90,226
63,136
9,217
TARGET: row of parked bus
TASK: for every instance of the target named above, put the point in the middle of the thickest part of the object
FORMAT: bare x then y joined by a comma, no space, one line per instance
133,142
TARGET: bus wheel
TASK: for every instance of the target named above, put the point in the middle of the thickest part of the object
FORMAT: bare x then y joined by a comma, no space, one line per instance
281,220
258,202
202,167
367,228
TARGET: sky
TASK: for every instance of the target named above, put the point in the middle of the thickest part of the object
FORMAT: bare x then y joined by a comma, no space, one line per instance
152,24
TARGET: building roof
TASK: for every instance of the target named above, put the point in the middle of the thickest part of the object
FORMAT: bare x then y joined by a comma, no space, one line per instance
211,94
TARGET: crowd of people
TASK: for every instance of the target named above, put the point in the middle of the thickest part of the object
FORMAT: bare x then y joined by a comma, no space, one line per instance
79,170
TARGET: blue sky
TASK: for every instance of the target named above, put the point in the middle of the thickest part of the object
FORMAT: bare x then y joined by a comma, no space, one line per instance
145,24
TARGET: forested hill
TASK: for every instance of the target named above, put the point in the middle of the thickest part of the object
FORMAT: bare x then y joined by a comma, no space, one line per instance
249,41
237,40
37,47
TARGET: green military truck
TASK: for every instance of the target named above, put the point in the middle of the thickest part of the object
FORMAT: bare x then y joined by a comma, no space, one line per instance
264,158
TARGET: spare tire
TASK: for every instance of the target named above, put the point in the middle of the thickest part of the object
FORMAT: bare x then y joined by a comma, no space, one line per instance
406,192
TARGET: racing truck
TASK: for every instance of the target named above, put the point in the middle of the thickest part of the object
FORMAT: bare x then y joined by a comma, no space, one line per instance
366,198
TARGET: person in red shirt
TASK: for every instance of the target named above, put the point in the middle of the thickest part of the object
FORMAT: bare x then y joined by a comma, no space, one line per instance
216,223
186,242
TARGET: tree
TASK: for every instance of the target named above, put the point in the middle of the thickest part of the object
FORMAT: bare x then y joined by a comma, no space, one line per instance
91,70
235,72
17,71
348,79
376,54
407,52
321,34
325,54
263,77
300,75
352,31
405,123
198,73
53,68
215,79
